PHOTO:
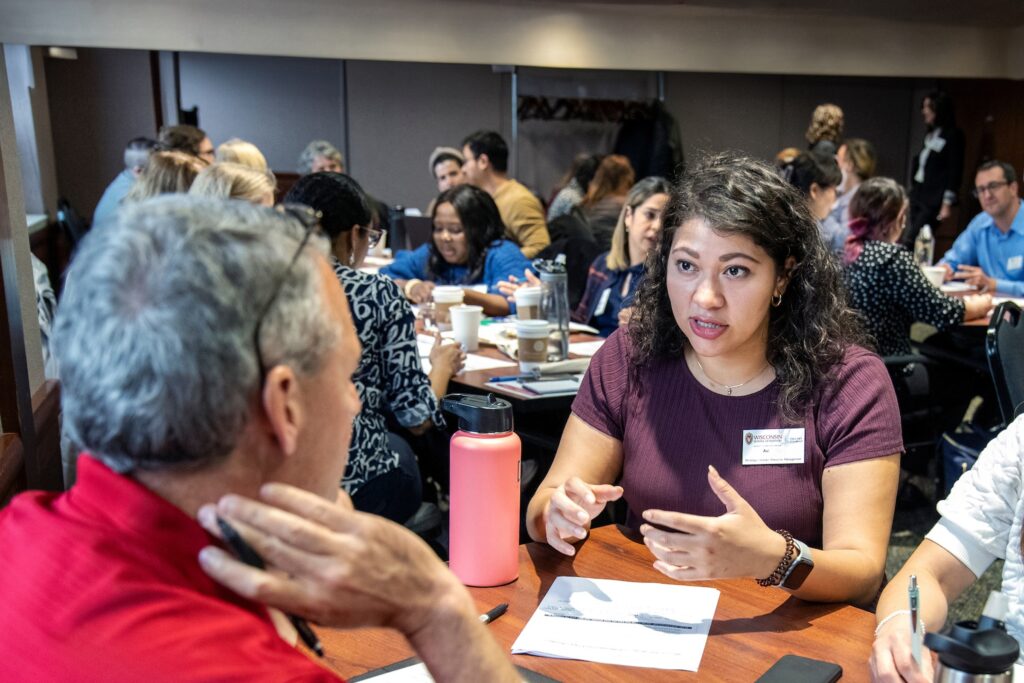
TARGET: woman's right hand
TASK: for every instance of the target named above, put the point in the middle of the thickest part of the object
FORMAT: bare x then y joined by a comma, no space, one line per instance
977,306
508,287
571,508
446,358
891,659
422,292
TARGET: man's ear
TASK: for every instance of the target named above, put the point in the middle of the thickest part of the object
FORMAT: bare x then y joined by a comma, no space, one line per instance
282,407
483,161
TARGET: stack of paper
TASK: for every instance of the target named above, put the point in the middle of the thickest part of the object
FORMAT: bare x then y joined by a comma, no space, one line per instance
654,625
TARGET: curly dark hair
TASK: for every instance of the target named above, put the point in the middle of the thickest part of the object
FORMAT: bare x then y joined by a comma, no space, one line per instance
809,332
481,223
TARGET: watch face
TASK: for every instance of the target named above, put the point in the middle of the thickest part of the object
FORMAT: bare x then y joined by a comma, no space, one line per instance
798,574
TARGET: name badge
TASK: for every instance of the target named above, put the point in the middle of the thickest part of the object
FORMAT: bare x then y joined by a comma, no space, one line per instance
602,303
773,446
1014,262
937,144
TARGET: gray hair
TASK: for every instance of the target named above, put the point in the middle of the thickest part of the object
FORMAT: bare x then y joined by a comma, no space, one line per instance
155,334
319,148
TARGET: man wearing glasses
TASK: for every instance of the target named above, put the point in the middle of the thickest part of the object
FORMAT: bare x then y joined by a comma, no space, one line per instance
206,354
989,254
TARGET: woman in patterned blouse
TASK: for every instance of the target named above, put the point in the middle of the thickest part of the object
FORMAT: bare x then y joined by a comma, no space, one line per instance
382,476
885,283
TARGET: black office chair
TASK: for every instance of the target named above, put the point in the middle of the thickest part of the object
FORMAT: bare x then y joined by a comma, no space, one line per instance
73,225
919,415
1004,347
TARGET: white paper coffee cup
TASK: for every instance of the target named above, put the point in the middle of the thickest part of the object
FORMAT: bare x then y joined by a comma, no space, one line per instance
935,274
444,298
528,303
533,343
466,325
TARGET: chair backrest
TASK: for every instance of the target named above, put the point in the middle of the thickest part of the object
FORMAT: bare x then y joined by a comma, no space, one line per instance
73,225
1004,346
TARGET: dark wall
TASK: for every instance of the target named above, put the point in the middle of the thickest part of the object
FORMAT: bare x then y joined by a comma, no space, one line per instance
98,103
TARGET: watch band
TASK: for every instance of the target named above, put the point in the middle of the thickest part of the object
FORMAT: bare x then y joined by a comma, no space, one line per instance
799,568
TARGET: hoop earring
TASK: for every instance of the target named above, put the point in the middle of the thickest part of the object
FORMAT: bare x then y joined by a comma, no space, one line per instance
776,300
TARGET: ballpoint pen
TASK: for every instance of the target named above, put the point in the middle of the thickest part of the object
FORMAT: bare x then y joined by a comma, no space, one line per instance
915,630
493,614
249,556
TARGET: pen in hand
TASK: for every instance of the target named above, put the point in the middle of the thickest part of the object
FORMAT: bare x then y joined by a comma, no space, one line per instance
493,614
915,628
249,556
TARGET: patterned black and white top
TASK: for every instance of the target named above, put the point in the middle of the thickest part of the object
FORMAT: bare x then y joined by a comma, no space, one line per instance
389,376
889,288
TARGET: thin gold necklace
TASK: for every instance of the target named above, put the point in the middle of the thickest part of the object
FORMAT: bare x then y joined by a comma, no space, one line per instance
728,388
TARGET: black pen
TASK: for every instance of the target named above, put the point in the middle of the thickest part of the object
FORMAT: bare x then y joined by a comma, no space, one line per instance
493,614
249,556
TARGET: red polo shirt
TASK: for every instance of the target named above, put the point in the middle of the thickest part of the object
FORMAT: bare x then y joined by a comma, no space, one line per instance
102,584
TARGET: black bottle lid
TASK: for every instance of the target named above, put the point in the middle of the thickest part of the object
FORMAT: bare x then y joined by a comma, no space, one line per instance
966,647
480,414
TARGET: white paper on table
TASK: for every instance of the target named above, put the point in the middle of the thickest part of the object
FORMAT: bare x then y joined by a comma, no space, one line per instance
951,287
654,625
585,348
417,673
474,361
996,300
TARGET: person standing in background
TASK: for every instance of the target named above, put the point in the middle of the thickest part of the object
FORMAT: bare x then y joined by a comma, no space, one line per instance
486,167
938,168
136,156
825,133
856,159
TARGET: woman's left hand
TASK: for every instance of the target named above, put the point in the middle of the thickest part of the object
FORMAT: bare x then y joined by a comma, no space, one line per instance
736,544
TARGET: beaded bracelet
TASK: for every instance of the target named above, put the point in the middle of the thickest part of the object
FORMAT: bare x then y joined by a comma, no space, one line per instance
885,621
775,578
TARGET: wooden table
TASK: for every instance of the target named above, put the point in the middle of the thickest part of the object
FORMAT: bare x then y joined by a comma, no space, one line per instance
753,626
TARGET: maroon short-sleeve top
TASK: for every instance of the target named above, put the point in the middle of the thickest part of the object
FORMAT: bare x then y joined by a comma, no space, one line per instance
672,427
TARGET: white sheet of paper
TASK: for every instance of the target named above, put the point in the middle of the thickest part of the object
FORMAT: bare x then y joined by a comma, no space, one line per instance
954,286
417,673
585,348
996,300
424,343
653,625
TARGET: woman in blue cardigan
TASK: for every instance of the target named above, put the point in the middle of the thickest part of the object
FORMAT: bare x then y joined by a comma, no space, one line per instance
467,249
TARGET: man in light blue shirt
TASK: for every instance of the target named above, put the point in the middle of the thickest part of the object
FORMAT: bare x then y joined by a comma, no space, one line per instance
136,156
989,254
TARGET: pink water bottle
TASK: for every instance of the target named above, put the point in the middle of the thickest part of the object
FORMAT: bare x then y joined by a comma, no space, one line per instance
484,513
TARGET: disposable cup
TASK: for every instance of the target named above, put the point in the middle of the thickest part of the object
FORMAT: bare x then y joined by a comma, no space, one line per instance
444,299
533,343
935,274
466,325
528,303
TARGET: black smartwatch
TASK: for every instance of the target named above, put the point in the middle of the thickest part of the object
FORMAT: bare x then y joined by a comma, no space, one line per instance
801,566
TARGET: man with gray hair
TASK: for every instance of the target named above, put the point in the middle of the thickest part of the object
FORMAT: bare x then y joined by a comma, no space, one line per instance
206,351
321,155
136,156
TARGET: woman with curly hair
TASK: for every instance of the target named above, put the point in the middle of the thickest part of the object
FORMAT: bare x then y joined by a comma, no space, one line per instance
467,249
825,133
741,365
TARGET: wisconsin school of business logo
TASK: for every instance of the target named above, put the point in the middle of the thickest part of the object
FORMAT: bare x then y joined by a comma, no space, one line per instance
749,438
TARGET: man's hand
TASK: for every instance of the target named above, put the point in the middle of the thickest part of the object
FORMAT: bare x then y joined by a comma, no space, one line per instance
975,276
339,567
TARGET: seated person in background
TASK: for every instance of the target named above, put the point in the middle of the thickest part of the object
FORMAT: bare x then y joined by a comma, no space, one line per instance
989,253
486,166
825,133
605,197
467,249
981,522
446,167
573,186
718,362
321,155
817,176
382,475
234,181
206,355
885,283
187,139
856,159
615,275
166,173
136,156
241,152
